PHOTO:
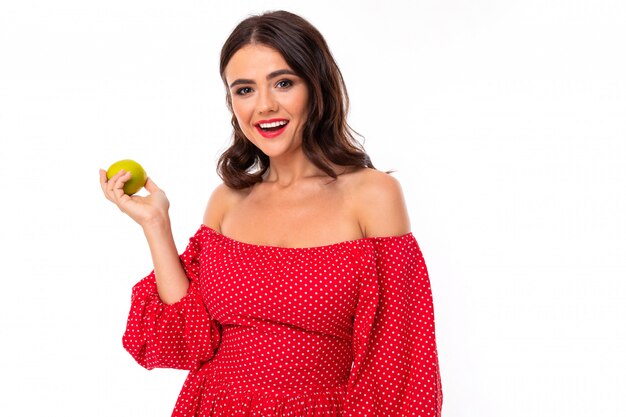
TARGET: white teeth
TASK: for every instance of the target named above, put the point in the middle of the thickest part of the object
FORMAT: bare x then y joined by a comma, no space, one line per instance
273,124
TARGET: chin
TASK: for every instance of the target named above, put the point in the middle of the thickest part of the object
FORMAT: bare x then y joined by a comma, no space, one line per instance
273,153
277,149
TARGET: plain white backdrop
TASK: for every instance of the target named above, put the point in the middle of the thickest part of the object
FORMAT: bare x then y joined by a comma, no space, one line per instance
505,122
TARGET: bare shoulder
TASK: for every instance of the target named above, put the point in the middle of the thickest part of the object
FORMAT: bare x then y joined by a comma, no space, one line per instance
222,198
379,203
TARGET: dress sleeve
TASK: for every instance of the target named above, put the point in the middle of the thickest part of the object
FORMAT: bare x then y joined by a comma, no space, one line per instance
180,335
396,368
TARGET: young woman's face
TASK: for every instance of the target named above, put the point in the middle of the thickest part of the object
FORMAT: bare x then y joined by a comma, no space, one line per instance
268,99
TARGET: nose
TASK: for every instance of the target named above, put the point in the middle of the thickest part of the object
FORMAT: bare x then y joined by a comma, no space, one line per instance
267,102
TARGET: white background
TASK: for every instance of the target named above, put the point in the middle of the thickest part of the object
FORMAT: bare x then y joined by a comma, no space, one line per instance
505,122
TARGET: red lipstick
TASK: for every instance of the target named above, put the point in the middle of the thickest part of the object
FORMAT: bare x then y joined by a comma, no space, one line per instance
275,131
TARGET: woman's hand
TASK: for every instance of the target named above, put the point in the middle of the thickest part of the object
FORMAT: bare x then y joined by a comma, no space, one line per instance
148,210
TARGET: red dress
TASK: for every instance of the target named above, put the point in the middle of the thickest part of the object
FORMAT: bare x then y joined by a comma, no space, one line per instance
345,329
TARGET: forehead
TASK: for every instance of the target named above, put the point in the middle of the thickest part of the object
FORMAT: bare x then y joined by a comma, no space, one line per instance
254,61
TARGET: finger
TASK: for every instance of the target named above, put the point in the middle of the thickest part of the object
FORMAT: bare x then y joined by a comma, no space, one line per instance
103,180
119,182
117,188
111,181
105,185
151,186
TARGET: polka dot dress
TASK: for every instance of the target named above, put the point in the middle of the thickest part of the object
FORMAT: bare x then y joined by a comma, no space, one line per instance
345,329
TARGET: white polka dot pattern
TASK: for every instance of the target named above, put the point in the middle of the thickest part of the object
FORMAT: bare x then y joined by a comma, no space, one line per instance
339,330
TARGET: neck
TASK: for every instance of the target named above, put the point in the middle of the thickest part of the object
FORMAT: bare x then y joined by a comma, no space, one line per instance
288,171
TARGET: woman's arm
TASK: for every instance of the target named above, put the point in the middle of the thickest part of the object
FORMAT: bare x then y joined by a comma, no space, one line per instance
151,213
172,282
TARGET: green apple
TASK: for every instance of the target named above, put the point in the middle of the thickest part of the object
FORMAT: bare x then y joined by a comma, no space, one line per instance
138,176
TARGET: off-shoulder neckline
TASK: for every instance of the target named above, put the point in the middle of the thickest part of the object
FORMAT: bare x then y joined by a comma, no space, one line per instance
304,248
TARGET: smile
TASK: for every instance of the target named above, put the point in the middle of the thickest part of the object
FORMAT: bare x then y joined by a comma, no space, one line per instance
271,128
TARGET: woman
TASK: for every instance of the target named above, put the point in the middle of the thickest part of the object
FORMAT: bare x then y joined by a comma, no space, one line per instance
303,292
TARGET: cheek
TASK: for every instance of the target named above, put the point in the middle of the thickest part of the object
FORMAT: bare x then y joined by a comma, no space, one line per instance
300,104
242,111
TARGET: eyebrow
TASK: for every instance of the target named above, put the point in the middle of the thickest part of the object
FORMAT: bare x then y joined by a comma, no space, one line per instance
269,77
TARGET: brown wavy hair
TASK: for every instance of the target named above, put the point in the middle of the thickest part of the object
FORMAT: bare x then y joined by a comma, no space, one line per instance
326,138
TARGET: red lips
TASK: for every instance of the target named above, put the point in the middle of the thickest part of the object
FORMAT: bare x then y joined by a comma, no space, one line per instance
271,133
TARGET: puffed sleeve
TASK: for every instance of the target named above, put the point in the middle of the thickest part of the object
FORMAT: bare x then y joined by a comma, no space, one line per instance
396,368
180,335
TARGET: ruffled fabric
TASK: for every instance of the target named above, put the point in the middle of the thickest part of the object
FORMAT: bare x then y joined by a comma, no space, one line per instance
340,330
227,402
396,367
180,335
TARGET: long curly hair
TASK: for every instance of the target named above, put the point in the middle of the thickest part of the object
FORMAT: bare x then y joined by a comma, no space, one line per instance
327,138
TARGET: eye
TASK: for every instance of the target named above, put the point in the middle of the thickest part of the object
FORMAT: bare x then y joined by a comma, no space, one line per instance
243,91
284,84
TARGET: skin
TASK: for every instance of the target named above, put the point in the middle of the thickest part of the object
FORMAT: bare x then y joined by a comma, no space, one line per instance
283,96
296,204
